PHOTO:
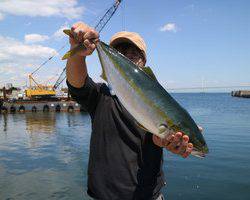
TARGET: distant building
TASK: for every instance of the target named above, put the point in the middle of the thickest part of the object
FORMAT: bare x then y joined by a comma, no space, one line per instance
11,92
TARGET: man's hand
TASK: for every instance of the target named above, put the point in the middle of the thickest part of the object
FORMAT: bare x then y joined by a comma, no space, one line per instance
82,33
176,143
76,64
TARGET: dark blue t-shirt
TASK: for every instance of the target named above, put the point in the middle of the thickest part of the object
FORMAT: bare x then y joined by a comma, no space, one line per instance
124,163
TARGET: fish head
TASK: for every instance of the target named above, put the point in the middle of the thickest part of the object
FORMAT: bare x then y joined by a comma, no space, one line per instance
111,58
200,148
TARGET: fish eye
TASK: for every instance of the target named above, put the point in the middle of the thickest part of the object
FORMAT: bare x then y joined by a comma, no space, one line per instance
162,128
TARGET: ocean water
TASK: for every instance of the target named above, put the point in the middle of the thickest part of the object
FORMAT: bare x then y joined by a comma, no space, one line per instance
45,155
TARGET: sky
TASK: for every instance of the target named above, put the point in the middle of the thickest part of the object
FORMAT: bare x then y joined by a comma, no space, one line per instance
190,43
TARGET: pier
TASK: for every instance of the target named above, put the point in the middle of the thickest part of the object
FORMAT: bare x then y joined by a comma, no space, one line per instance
38,106
241,93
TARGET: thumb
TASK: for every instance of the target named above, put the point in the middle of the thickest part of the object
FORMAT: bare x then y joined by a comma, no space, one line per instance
157,140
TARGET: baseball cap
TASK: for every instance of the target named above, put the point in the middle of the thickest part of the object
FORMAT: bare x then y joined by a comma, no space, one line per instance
130,37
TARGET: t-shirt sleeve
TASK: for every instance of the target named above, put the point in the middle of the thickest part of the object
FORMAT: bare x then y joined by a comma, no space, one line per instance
88,95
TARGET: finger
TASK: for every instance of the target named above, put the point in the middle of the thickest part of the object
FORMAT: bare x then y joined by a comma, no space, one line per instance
87,44
74,28
185,138
169,137
80,36
96,40
80,29
173,146
91,34
167,140
182,149
93,46
73,37
177,138
157,140
178,135
188,150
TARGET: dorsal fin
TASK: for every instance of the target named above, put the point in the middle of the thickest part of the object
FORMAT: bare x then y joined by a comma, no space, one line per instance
149,72
103,76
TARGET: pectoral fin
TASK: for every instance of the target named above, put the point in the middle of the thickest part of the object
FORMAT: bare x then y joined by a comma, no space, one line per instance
141,126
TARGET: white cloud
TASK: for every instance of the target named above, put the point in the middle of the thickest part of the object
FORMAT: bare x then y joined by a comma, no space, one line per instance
45,8
170,27
59,33
33,38
18,59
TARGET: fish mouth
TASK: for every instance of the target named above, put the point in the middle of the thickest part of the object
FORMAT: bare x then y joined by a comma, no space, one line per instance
200,153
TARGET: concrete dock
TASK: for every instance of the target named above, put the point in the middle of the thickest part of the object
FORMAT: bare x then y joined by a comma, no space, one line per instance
36,106
241,93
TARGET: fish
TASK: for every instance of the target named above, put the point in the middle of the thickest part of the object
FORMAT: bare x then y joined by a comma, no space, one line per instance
152,107
74,50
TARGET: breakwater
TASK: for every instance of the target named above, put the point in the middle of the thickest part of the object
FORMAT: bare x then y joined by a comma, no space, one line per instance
241,93
36,106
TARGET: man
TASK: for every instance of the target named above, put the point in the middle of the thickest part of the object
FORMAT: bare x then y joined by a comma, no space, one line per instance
125,161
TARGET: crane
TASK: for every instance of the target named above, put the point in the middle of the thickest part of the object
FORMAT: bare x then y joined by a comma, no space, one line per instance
36,90
99,27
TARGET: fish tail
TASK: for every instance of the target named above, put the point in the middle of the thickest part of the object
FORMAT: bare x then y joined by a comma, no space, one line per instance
72,51
68,32
67,55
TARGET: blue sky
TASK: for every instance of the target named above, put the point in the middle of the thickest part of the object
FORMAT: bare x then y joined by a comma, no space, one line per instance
188,40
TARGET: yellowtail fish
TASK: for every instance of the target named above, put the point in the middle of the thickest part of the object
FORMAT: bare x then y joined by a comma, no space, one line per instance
154,109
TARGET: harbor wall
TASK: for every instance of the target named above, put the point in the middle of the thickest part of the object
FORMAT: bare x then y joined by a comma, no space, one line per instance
39,106
241,93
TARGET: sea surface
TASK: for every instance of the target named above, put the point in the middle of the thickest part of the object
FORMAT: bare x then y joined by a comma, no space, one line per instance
45,155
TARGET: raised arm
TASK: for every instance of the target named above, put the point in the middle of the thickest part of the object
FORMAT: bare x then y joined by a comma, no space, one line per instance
76,65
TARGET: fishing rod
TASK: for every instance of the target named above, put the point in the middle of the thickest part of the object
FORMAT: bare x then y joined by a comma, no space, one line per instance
99,27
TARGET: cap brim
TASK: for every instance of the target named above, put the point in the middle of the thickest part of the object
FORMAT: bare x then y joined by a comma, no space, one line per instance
120,40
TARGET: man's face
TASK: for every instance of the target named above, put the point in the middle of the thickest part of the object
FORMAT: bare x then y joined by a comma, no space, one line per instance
131,52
